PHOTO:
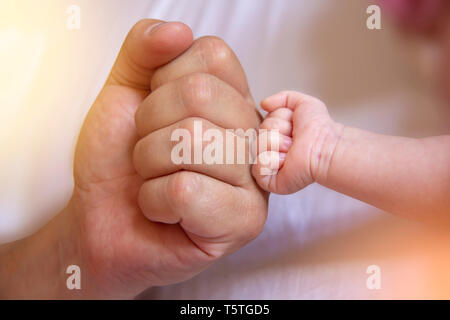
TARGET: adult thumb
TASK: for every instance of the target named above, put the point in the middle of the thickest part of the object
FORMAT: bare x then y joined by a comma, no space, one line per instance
149,45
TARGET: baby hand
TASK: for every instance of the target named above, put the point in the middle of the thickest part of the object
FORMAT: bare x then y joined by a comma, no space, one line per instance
307,137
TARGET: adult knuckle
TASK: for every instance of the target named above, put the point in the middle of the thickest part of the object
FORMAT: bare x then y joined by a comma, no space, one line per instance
142,23
182,189
139,157
188,124
140,117
158,78
197,91
215,51
144,198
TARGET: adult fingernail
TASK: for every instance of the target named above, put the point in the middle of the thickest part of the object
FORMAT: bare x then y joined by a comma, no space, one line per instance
154,27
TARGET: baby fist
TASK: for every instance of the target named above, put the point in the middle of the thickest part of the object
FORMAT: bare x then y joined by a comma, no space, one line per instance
300,144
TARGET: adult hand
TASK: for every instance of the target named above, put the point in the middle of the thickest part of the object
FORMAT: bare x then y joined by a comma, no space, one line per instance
129,231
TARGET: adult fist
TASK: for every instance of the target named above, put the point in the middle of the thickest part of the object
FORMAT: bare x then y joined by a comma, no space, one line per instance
218,206
119,251
156,226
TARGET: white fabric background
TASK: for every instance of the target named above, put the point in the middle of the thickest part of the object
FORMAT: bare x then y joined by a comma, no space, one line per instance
316,243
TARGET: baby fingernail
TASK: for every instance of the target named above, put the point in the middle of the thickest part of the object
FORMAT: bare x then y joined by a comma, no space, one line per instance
287,142
282,156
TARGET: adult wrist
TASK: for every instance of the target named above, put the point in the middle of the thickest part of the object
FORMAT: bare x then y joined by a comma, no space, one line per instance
35,267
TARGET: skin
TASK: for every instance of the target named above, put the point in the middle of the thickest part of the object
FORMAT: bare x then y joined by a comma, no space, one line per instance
133,222
404,176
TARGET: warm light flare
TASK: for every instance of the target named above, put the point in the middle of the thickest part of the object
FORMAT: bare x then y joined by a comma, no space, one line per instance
20,57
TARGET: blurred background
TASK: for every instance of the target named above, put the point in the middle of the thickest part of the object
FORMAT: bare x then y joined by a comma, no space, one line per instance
317,243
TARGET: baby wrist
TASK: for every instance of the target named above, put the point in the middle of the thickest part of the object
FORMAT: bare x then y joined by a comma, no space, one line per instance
323,150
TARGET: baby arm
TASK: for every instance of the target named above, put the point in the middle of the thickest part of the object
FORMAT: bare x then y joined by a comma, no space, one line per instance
409,177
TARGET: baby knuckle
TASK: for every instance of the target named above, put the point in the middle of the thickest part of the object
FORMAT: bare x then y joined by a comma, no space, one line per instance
313,101
271,123
317,102
253,229
255,218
